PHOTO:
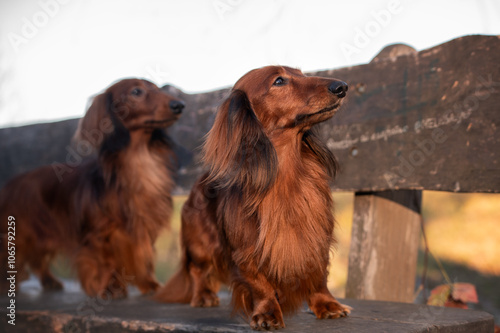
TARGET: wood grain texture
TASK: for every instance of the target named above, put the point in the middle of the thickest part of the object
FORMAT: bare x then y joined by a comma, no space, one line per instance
384,246
412,120
74,312
428,120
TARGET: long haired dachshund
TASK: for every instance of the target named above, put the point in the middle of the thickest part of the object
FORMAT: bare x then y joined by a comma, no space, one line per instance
106,212
261,218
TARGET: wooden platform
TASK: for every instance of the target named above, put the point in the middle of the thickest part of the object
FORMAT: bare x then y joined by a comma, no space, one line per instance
73,312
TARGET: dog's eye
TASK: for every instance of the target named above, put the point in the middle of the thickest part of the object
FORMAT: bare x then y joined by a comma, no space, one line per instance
279,81
137,92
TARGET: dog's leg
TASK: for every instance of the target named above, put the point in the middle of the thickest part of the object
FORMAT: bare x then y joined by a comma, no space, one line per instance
49,282
122,260
41,267
257,297
197,281
116,285
143,255
203,250
202,272
98,278
148,285
205,285
324,305
19,265
102,282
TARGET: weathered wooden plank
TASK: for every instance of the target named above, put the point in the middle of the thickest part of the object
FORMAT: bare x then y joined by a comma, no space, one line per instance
27,147
72,312
190,130
384,246
427,120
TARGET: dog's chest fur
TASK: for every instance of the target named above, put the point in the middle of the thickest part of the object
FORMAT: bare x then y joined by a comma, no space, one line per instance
296,226
147,184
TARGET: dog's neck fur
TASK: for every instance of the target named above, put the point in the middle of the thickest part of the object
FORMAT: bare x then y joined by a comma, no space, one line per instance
295,228
140,176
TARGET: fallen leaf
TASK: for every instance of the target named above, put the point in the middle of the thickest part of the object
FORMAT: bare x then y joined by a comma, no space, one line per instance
451,303
464,292
454,296
439,295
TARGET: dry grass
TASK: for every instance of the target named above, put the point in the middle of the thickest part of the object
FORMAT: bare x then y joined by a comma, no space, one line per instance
464,229
168,244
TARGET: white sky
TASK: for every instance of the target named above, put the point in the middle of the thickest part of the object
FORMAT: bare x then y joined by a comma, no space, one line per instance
55,54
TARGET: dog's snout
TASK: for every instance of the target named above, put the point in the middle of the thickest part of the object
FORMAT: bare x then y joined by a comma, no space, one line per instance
177,106
338,88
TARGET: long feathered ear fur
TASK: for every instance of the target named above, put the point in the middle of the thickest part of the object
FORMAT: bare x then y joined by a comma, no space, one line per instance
96,124
237,150
323,155
120,137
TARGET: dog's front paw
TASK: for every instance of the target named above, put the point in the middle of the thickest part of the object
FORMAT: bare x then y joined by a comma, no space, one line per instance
205,299
50,283
266,321
149,287
267,315
331,310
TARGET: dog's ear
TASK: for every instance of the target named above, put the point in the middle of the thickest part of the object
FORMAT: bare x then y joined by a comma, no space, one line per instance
102,126
120,137
96,124
321,152
237,150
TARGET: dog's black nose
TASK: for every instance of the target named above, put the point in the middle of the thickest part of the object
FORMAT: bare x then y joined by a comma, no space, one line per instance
339,88
177,106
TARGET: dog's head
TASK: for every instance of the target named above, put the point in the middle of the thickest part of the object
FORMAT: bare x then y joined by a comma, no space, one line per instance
283,97
265,104
126,106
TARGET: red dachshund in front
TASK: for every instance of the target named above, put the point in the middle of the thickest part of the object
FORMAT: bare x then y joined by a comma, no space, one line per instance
106,212
261,218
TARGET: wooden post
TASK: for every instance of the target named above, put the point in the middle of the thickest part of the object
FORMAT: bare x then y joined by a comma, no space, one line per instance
384,245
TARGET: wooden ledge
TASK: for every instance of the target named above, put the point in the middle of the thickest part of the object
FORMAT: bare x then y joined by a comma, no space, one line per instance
73,312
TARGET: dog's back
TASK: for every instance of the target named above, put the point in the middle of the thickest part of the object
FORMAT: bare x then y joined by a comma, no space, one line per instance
43,220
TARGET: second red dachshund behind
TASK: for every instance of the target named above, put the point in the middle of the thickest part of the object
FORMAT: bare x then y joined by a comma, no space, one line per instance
105,212
261,218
